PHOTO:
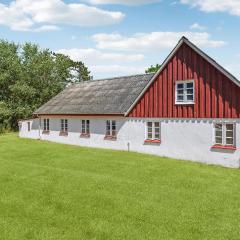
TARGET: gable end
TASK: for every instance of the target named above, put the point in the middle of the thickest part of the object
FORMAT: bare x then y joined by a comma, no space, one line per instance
216,91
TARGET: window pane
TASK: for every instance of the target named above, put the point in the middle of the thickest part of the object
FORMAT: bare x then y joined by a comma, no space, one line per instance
157,130
229,134
190,85
83,129
108,132
149,135
157,136
180,92
157,133
189,91
62,125
218,140
149,124
218,134
180,98
190,97
149,130
66,125
114,125
218,126
88,127
229,141
179,85
229,127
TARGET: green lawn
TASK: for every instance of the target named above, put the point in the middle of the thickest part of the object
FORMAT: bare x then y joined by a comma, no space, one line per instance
53,191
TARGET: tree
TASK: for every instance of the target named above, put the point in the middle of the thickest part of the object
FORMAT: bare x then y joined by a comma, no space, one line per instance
80,72
153,68
29,77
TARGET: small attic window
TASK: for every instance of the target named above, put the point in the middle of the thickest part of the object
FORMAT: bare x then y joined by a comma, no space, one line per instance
184,92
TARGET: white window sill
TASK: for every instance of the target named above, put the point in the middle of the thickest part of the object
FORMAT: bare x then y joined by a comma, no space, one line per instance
184,103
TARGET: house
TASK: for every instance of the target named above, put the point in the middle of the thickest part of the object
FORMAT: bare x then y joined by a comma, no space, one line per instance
188,110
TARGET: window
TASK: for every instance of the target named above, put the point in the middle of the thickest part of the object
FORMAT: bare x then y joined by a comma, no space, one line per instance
224,134
111,129
184,92
153,132
85,127
45,124
29,126
64,125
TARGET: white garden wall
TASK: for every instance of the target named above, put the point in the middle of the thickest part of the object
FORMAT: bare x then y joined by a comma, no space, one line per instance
180,139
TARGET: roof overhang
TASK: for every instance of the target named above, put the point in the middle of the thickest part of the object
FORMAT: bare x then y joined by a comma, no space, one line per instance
81,115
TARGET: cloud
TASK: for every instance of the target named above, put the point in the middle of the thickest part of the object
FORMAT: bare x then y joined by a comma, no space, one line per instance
230,6
197,26
92,56
152,41
106,64
115,70
123,2
47,28
11,16
27,15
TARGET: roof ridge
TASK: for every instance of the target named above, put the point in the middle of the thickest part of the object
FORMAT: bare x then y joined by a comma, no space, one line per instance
113,78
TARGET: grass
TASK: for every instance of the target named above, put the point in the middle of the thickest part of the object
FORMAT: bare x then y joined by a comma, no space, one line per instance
53,191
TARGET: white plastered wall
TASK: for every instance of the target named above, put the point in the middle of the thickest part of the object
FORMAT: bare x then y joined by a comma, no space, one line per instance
34,129
180,138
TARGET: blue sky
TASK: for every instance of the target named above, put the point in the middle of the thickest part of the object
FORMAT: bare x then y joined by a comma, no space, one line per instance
121,37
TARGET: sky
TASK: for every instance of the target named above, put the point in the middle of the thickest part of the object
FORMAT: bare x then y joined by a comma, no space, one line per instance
124,37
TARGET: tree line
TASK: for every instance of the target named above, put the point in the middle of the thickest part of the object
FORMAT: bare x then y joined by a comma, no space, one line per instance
29,77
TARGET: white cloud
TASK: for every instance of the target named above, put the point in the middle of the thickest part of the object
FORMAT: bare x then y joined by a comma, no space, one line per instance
197,26
47,28
115,70
123,2
26,15
106,64
11,16
152,41
91,56
230,6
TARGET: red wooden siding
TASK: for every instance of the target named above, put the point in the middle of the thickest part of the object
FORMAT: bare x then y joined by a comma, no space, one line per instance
216,96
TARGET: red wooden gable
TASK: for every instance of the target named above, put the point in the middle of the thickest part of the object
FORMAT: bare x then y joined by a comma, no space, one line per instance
216,95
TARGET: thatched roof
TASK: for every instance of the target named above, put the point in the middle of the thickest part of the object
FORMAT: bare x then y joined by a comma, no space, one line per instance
107,96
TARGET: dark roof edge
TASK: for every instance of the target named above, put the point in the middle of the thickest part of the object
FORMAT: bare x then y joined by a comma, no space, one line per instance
165,62
78,114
